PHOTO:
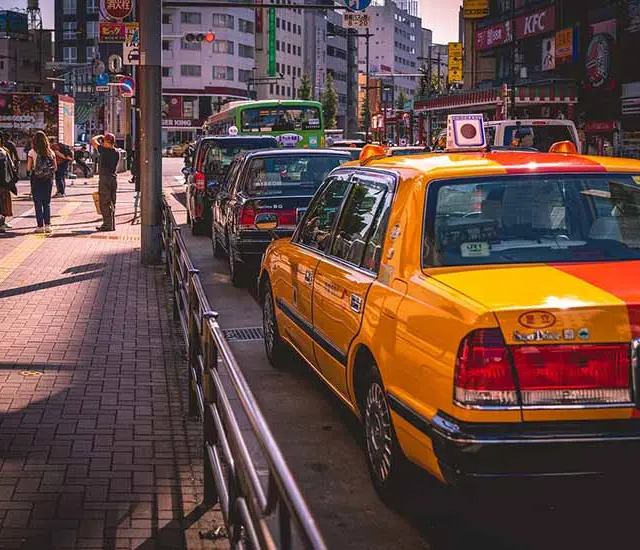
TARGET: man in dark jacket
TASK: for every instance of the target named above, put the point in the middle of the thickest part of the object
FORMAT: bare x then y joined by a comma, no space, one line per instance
107,182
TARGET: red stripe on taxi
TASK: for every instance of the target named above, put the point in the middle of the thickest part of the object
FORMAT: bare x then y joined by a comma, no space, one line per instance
617,278
531,163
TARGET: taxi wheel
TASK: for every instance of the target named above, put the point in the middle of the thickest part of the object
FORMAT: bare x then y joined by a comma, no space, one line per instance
274,345
385,459
236,271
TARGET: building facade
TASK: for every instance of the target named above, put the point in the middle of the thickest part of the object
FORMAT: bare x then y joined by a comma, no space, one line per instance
199,77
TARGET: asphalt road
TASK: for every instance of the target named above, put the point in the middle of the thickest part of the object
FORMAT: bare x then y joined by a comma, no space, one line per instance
321,442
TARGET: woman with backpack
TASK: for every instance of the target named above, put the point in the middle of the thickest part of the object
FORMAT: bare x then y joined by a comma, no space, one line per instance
41,164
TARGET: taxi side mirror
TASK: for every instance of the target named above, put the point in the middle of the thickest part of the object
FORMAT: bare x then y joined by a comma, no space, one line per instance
266,222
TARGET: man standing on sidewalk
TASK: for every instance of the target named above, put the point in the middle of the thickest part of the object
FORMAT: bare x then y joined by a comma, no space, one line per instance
63,156
107,183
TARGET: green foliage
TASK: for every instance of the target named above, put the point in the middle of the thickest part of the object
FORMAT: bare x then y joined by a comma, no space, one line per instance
402,99
305,87
365,114
330,103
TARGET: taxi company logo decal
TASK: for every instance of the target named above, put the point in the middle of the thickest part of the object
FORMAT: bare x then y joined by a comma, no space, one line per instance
541,335
537,319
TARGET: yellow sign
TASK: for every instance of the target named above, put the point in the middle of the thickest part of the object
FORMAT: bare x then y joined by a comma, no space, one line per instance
475,9
564,44
455,75
455,48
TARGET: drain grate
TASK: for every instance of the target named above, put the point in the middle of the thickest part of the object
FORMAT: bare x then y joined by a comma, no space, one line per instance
243,334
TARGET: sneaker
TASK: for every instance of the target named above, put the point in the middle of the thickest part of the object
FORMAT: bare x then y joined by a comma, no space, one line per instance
39,230
5,226
47,229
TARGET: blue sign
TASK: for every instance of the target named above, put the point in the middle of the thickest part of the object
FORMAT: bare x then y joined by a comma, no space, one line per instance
102,79
357,5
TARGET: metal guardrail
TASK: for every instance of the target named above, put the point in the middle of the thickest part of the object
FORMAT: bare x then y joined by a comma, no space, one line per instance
277,517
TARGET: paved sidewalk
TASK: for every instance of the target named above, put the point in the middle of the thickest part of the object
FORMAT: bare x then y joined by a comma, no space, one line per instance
96,450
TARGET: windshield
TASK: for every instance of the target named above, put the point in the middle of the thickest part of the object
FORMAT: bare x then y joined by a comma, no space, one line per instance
290,174
540,136
218,154
280,119
531,219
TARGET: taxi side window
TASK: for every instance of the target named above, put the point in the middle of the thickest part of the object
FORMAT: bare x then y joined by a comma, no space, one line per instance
231,176
315,231
358,221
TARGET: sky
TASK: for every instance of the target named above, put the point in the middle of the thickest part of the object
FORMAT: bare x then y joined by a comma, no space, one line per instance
441,16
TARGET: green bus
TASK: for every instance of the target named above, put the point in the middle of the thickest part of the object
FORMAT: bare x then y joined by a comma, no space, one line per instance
293,122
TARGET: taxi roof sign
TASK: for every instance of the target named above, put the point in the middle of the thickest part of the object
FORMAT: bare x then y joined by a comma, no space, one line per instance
465,132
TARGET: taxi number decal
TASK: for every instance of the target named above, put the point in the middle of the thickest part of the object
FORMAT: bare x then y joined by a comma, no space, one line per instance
475,250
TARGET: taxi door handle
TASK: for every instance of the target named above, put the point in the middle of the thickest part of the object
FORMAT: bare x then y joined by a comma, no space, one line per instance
308,277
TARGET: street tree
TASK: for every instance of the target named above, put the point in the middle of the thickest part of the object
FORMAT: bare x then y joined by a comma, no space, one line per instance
330,103
402,99
365,115
423,87
305,87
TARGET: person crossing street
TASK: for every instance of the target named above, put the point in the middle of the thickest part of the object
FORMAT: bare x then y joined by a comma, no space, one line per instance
107,183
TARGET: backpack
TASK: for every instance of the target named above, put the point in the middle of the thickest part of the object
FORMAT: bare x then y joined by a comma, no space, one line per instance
65,150
44,168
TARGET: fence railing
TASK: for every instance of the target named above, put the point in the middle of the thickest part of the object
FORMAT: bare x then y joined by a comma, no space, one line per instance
275,516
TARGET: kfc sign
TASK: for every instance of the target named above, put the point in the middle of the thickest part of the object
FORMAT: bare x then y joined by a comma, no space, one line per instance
536,23
494,35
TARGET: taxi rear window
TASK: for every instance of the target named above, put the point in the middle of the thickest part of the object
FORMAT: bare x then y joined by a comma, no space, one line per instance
542,136
529,219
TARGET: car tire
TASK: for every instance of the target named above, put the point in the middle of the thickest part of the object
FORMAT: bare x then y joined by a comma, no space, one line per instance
274,346
385,460
236,269
215,245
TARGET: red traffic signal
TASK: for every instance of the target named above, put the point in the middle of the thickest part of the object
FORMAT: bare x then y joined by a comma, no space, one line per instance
208,37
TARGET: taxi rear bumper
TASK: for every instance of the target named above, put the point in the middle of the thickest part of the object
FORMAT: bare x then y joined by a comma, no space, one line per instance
471,452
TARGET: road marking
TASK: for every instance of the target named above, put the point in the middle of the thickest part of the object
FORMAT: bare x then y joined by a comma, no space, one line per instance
14,259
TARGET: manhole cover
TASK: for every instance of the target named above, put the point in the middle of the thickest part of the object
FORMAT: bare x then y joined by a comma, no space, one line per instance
31,373
243,334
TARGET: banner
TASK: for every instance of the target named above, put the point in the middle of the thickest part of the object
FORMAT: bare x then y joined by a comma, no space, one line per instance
475,9
564,46
599,59
549,54
535,23
271,49
494,35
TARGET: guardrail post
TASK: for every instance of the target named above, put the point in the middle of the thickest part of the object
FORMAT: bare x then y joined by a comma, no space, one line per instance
210,353
174,274
193,343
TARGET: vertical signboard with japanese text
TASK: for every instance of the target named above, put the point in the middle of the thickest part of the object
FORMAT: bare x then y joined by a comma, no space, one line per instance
272,42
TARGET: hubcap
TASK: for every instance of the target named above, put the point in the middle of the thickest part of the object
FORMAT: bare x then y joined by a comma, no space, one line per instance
378,432
269,323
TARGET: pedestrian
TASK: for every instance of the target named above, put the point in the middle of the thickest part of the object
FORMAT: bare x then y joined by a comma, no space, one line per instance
41,164
8,179
80,156
107,182
10,146
63,156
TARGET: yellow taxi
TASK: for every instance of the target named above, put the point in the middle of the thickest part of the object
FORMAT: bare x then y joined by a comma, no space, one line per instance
478,310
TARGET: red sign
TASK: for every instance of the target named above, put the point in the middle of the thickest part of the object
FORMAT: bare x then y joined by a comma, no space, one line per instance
493,36
599,58
112,32
259,19
535,23
600,126
117,9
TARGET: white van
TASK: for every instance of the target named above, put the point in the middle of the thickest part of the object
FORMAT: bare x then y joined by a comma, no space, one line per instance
540,133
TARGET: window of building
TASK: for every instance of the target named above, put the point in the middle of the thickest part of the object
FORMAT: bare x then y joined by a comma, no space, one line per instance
271,88
223,46
288,69
190,70
167,18
190,18
93,6
222,20
167,45
245,51
69,7
299,71
92,30
277,67
288,26
70,54
277,89
245,26
277,45
288,90
90,52
221,72
289,48
167,71
277,22
244,75
69,30
184,45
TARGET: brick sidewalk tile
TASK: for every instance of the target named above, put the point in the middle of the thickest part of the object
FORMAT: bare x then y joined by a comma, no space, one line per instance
96,450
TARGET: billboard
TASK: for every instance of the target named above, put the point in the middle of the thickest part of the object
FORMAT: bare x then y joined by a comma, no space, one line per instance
494,35
601,40
475,9
13,23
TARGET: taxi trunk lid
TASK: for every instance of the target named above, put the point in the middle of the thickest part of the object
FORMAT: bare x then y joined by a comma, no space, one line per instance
568,330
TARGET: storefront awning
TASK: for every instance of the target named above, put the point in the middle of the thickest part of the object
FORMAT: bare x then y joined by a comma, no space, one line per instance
483,99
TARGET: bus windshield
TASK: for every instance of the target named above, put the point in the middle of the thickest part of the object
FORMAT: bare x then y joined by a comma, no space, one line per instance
280,119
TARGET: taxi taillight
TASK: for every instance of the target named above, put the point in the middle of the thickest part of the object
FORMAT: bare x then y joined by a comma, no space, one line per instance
286,217
488,373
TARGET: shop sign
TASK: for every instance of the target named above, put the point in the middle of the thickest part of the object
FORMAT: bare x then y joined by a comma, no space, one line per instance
494,35
535,23
631,99
599,56
475,9
180,123
112,32
549,54
633,13
600,126
117,9
564,46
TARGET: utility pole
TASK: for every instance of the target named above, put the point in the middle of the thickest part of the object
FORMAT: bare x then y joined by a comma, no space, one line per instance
150,174
367,122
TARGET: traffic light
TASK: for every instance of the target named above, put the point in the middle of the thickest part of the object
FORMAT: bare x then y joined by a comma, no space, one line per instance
208,37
